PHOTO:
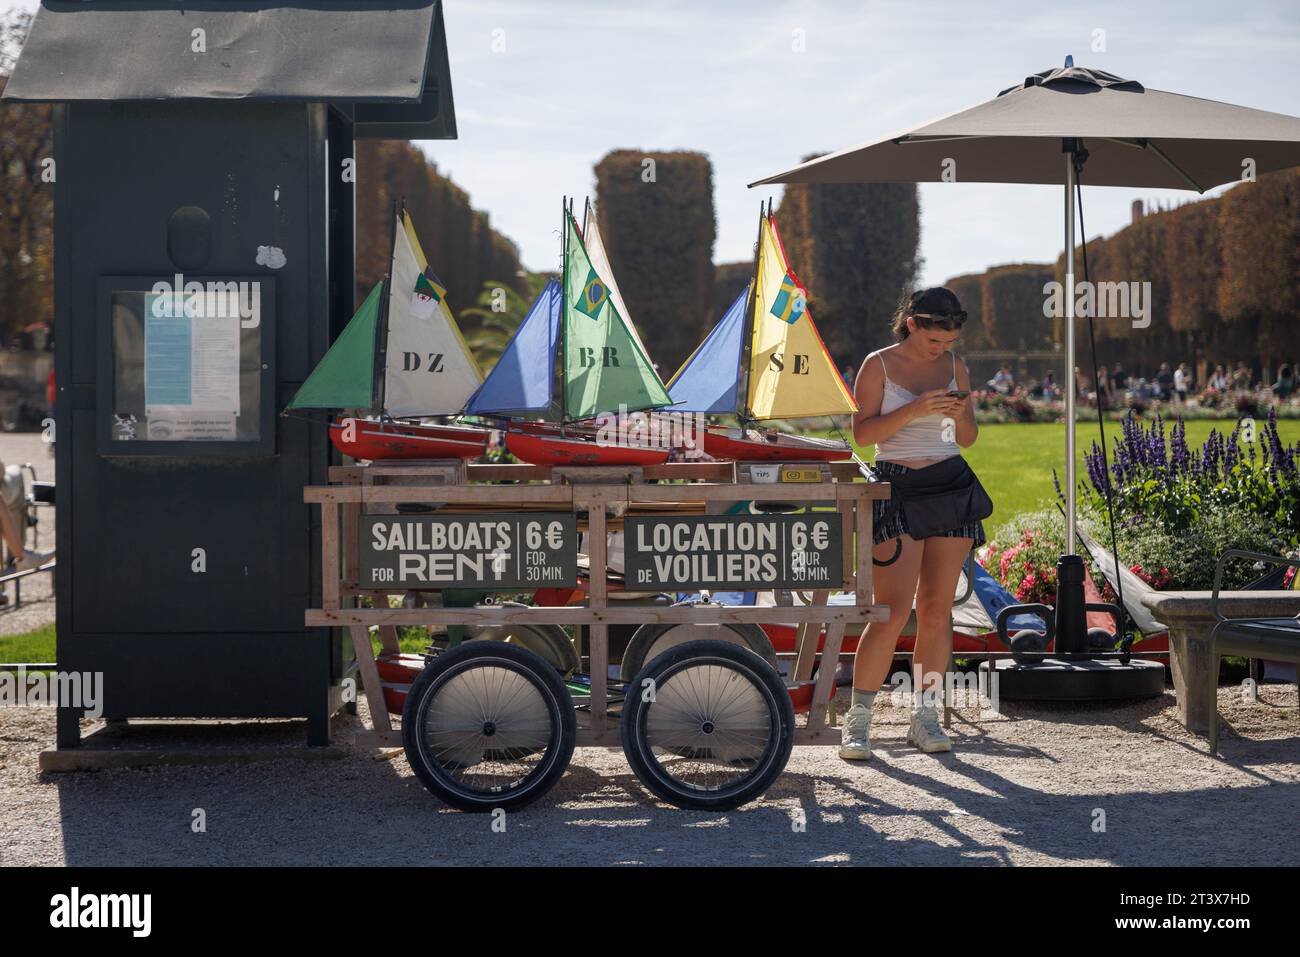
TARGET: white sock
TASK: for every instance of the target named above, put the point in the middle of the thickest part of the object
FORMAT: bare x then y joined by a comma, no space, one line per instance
865,698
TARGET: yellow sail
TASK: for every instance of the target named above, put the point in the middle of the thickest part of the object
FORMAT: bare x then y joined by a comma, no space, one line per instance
791,375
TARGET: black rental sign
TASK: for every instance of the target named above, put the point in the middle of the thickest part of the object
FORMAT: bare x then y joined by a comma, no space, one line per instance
520,550
741,552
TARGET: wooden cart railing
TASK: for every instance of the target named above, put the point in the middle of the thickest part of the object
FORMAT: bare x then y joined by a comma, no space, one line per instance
343,505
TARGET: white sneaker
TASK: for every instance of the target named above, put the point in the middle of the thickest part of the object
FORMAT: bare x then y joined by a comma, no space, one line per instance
925,732
854,743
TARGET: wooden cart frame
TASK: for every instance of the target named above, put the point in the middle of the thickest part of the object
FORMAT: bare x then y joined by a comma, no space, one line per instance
597,493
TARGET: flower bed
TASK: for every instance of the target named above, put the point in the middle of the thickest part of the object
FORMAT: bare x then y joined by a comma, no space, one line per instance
1176,509
1020,406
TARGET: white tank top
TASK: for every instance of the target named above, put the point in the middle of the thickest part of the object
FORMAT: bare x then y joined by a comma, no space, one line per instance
922,438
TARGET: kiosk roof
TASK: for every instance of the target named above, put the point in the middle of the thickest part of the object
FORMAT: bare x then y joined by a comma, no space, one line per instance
339,51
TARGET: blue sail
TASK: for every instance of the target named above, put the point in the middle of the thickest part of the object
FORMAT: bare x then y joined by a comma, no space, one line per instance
709,380
520,382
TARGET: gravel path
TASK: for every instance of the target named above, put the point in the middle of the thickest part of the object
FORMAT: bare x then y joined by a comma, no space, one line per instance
1020,787
37,608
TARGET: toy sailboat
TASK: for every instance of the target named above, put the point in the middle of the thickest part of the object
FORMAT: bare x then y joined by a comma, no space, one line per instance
401,357
786,373
603,367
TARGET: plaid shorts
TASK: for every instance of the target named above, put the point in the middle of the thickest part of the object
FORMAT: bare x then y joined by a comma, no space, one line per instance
888,524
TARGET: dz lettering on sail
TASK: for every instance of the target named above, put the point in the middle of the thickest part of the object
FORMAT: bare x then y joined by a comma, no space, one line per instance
608,359
800,366
411,362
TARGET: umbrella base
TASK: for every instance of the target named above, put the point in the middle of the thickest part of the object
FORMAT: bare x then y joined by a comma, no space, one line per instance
1085,679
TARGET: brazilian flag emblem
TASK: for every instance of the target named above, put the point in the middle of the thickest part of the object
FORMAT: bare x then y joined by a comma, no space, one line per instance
594,295
790,303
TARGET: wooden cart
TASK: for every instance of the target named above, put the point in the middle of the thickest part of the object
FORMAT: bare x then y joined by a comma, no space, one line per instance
488,724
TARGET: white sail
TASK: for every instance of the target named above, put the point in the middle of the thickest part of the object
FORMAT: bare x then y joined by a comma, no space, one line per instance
596,253
428,368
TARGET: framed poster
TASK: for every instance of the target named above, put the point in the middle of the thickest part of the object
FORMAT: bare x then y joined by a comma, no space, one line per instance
189,366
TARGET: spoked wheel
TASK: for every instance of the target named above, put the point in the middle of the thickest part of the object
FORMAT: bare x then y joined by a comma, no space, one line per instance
488,725
708,725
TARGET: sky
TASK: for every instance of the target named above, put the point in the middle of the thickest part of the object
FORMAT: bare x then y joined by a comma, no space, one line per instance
544,89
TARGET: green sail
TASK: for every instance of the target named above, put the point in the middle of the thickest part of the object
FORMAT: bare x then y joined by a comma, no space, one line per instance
345,376
604,367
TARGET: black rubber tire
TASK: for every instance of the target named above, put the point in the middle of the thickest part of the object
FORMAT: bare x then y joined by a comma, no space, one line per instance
536,671
549,641
745,635
747,666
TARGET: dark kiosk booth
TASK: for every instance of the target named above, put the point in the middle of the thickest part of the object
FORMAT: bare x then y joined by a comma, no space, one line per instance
204,253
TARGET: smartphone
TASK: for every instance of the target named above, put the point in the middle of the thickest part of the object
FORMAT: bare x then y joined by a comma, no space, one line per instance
959,393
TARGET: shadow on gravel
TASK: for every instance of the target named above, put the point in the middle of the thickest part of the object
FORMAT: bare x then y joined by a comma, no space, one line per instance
994,800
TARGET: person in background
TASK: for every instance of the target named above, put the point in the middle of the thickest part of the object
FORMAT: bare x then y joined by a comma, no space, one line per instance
1165,380
1003,382
1105,399
1219,379
1119,378
847,376
1080,384
1182,381
1241,377
1285,384
1050,390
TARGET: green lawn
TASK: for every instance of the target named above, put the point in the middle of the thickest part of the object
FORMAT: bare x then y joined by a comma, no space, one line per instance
32,646
1015,461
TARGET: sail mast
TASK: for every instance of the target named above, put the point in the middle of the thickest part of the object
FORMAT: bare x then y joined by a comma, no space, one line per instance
564,304
381,339
746,335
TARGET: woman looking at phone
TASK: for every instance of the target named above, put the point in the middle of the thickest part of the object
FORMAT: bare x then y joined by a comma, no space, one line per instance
914,404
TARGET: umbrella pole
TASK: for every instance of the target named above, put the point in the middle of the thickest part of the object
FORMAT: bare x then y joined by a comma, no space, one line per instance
1071,611
1071,378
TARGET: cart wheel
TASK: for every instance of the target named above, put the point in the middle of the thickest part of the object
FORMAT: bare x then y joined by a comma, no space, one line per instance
718,730
488,725
652,640
549,641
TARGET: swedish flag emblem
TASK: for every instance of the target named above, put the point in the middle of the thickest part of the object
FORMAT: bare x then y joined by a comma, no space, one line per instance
790,302
594,295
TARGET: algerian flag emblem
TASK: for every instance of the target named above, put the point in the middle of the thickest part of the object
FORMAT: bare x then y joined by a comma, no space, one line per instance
426,295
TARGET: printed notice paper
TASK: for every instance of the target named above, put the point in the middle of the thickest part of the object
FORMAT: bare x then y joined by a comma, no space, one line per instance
191,371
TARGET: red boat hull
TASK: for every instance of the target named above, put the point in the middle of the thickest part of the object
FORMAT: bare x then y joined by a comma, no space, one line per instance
365,439
547,447
720,445
396,673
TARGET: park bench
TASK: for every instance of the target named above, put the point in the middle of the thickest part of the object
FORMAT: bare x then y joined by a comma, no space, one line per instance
1206,625
1274,638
